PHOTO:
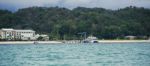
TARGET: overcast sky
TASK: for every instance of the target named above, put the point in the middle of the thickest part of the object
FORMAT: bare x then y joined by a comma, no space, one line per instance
13,5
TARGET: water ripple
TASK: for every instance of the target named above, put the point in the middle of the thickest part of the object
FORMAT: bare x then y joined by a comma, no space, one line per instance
76,55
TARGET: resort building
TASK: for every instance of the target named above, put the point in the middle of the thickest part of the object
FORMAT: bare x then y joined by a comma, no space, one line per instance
12,34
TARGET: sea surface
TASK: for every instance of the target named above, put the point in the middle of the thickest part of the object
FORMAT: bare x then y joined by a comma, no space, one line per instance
103,54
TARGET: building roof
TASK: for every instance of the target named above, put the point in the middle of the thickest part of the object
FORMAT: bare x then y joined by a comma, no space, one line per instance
24,31
130,36
7,29
10,29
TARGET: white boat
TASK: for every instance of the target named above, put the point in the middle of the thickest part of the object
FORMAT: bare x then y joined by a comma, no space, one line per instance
91,39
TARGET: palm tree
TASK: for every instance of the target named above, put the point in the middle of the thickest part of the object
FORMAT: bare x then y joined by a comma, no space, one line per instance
0,37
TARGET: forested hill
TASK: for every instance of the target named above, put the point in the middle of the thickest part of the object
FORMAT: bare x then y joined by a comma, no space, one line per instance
62,22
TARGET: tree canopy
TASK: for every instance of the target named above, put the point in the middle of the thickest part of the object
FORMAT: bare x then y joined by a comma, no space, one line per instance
61,23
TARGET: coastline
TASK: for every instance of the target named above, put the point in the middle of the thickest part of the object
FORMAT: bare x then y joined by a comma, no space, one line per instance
30,42
123,41
59,42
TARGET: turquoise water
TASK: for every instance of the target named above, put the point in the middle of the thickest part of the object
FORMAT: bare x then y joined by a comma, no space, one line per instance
112,54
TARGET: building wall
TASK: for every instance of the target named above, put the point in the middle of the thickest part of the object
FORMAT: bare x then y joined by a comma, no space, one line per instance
9,35
27,35
17,34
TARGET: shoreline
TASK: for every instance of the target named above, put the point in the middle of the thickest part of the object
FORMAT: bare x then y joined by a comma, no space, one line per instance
30,42
60,42
123,41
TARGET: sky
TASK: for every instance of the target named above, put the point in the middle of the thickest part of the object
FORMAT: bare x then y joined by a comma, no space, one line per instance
14,5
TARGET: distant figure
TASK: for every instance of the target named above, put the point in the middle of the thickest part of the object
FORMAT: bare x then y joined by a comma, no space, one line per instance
35,42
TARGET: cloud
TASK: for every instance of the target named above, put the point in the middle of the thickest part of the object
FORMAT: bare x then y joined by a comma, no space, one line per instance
108,4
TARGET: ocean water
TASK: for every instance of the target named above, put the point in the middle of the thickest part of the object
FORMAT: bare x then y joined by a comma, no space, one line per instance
103,54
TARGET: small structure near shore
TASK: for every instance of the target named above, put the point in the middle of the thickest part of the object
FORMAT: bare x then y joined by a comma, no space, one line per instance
42,37
136,37
130,37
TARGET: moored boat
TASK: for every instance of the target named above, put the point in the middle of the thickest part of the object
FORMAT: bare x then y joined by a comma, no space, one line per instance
91,39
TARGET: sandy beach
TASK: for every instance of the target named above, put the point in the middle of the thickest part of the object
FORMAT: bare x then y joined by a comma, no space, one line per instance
122,41
58,42
29,42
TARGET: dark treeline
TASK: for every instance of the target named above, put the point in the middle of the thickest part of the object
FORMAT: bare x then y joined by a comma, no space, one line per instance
61,23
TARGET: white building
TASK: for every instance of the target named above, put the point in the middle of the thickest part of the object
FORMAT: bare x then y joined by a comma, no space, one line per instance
7,34
12,34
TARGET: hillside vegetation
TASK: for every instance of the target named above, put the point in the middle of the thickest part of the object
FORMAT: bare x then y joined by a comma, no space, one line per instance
61,23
